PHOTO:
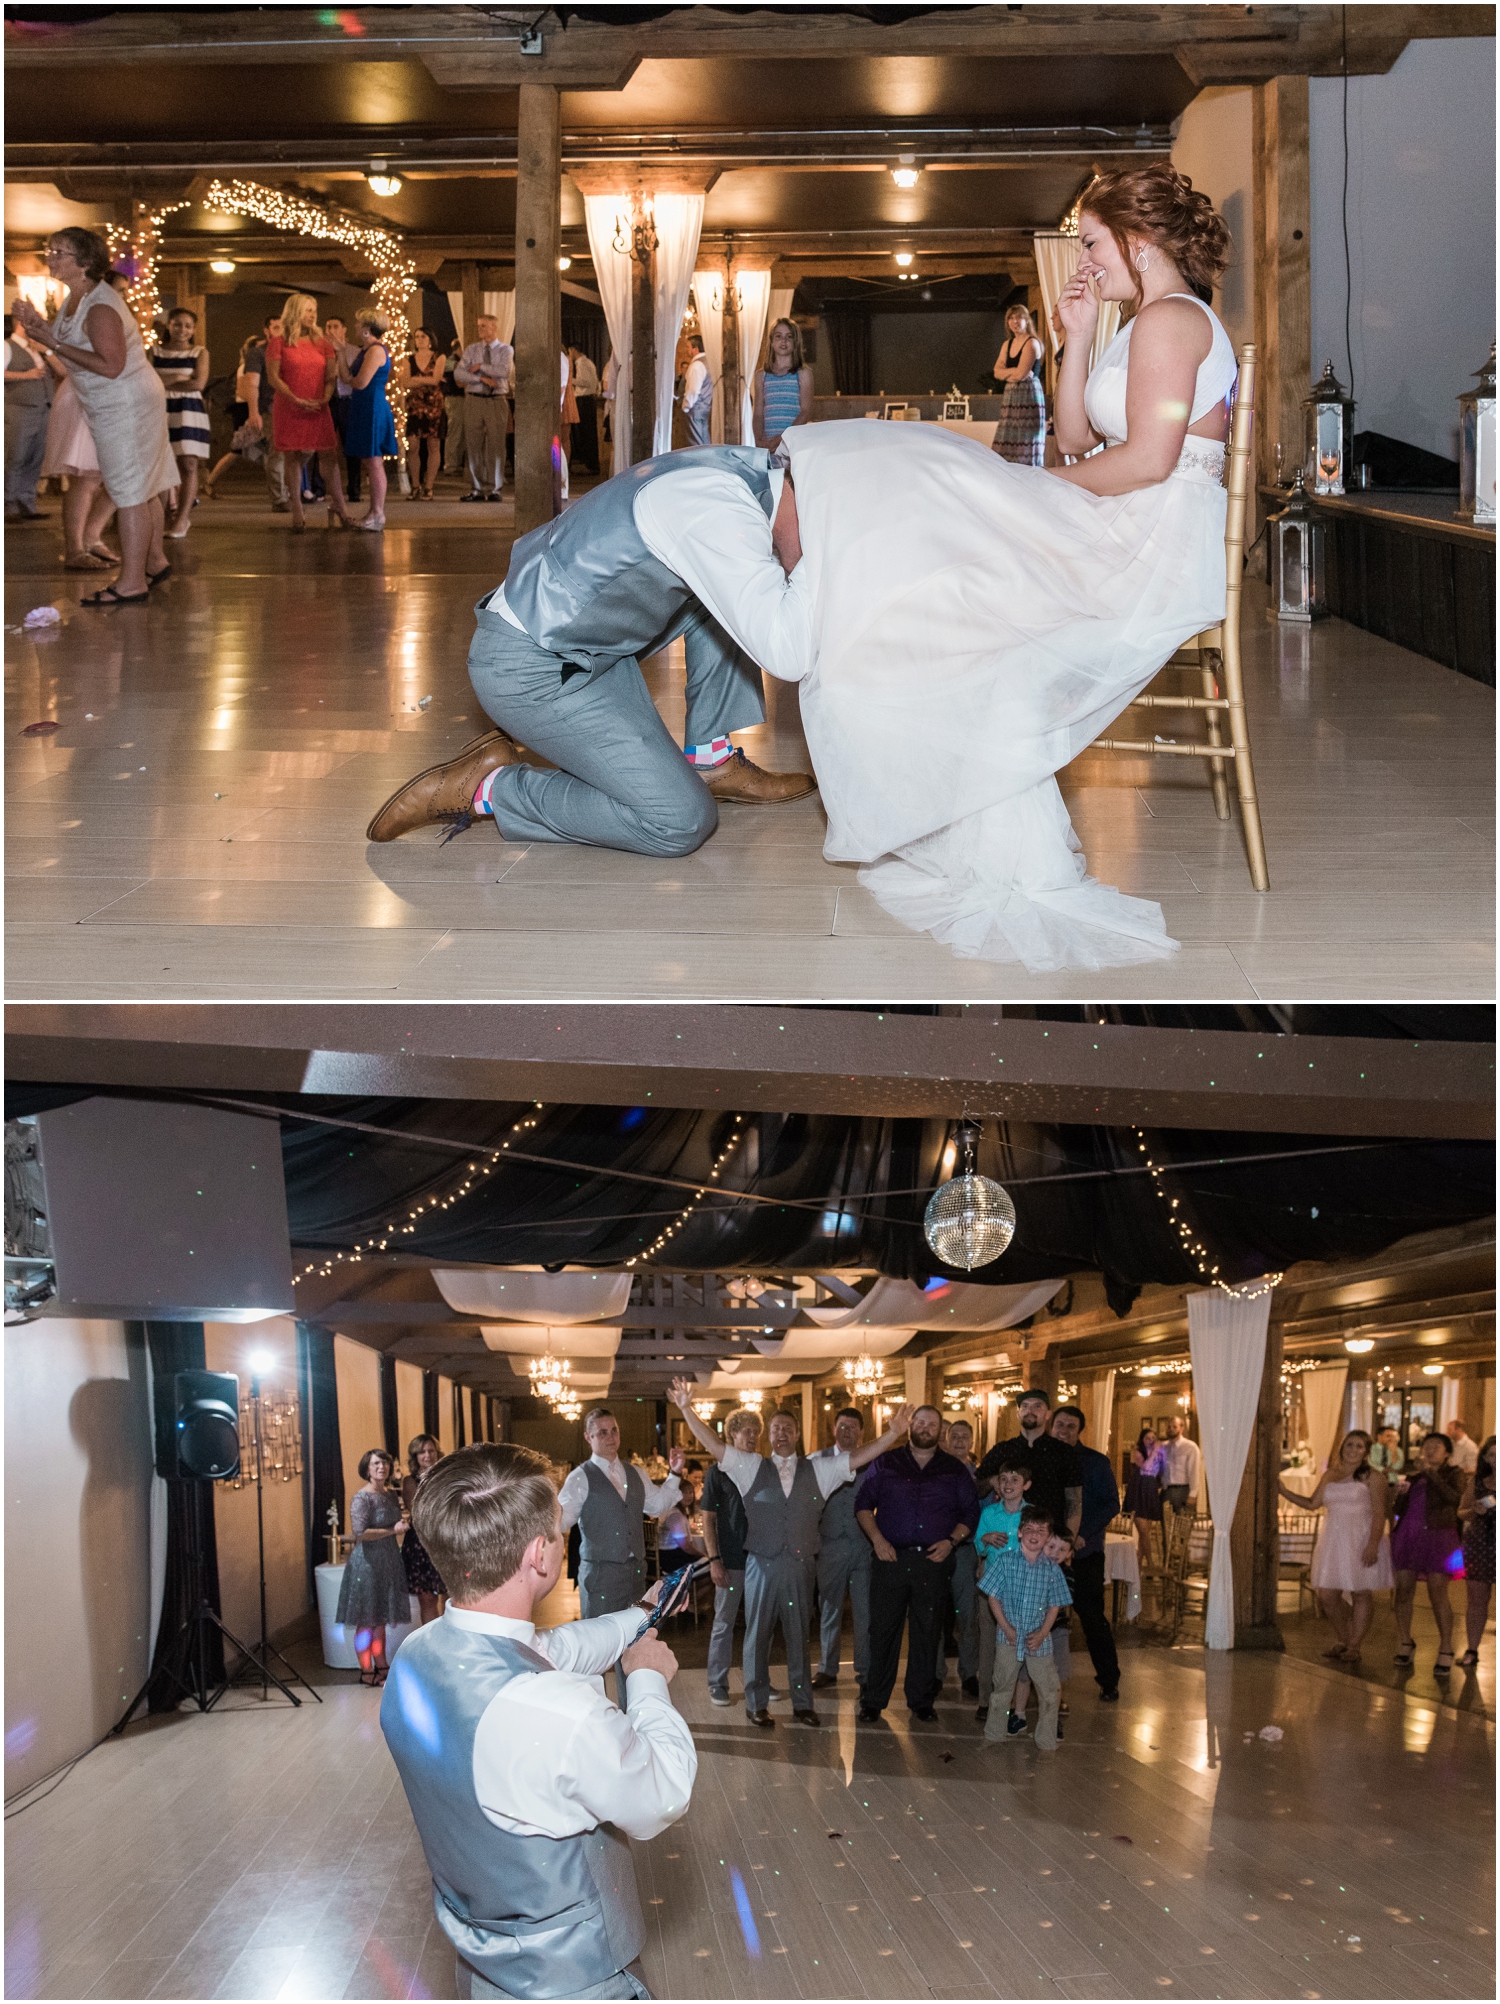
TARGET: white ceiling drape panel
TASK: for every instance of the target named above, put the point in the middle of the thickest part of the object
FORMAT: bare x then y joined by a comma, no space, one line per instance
1322,1406
533,1339
736,1381
708,298
607,216
501,306
754,289
954,1304
679,219
527,1294
1056,262
817,1345
1227,1339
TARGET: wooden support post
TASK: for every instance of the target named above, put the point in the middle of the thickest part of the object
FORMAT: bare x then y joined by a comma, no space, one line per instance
1283,271
502,1419
733,387
1255,1537
470,329
1045,1375
642,336
538,304
809,1417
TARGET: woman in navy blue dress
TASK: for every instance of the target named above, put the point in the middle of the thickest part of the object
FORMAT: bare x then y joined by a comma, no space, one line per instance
370,433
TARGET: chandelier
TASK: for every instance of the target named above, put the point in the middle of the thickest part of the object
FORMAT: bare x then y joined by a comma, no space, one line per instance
754,1400
548,1376
970,1219
569,1406
704,1408
862,1375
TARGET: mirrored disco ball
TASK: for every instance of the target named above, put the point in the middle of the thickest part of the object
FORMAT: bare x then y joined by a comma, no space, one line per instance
969,1222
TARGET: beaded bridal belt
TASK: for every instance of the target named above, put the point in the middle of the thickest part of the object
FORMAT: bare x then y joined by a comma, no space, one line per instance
1201,460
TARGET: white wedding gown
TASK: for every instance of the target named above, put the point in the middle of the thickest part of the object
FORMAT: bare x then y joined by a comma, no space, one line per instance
978,625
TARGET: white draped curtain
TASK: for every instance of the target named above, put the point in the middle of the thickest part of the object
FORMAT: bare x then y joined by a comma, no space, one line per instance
1056,261
755,304
1227,1340
708,299
1098,1401
679,218
605,216
781,304
1322,1406
500,305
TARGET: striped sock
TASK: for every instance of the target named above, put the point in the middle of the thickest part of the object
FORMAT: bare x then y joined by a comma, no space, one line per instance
705,757
482,794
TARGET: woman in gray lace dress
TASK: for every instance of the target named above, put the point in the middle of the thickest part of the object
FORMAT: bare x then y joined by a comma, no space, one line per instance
374,1594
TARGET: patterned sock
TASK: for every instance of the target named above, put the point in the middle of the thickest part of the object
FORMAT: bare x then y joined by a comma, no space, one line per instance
482,794
705,757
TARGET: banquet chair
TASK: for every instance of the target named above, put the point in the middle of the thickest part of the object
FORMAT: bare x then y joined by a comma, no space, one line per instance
1297,1533
1219,649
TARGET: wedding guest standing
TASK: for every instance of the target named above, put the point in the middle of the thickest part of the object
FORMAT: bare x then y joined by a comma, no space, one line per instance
1022,431
373,1595
28,399
484,374
302,366
1386,1454
1424,1545
724,1534
372,429
697,395
1143,1490
422,1455
1352,1556
254,369
422,373
844,1560
1477,1514
586,392
96,336
346,355
783,392
182,364
607,1498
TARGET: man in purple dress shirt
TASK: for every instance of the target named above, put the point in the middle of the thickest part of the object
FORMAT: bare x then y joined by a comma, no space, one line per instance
916,1505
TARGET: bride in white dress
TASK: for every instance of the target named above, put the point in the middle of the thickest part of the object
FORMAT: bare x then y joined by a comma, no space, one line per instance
980,624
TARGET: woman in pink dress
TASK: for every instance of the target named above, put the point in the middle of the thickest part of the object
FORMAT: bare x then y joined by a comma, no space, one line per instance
302,368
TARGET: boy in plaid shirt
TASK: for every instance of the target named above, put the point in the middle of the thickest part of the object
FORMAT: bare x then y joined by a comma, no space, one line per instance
1025,1590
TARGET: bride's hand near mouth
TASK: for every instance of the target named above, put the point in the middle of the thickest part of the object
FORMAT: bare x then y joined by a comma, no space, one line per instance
1078,304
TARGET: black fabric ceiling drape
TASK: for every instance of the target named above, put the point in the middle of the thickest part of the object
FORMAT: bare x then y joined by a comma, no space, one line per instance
848,331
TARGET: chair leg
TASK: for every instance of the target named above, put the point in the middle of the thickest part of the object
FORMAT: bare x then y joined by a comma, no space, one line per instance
1211,661
1244,771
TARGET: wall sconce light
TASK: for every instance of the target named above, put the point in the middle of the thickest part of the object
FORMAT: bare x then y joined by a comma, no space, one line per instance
903,258
222,265
565,264
380,182
906,170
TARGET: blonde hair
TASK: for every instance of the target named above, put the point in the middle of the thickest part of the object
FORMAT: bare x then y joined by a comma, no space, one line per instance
741,1417
478,1510
291,315
373,318
1012,311
799,360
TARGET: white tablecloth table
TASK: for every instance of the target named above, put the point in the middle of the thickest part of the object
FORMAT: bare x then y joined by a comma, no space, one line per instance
1303,1480
1122,1563
982,429
338,1646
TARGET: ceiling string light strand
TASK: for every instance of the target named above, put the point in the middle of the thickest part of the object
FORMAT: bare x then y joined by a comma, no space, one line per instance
395,272
669,1232
137,253
472,1175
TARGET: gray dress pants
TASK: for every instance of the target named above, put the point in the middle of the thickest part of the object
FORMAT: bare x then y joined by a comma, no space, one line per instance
965,1614
729,1602
844,1568
623,783
25,449
485,423
627,1982
777,1590
609,1586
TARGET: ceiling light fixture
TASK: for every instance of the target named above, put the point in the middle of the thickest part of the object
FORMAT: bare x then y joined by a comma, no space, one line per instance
222,265
906,170
1358,1345
863,1376
565,264
380,182
904,258
1432,1370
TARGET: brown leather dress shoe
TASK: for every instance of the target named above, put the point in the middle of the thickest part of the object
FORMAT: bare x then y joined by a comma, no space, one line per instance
739,779
444,792
761,1718
807,1718
821,1680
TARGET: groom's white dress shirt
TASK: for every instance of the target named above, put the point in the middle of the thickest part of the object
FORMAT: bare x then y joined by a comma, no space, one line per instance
554,1757
708,529
830,1469
575,1490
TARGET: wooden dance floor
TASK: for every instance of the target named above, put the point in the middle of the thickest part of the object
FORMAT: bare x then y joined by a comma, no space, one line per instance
195,827
1165,1849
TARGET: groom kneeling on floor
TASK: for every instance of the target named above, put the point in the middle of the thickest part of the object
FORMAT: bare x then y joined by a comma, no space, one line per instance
524,1780
700,546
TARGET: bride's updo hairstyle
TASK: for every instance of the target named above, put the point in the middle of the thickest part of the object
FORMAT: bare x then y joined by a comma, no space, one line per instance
1161,205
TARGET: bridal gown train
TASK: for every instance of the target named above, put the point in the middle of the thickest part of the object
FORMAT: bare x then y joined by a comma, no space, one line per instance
979,625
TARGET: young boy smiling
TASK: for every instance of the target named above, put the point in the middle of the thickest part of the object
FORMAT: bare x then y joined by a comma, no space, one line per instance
1025,1590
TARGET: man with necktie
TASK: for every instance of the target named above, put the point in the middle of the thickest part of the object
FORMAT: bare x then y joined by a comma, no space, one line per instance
485,375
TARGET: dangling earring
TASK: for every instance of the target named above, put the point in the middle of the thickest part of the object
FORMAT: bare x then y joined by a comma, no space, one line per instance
1141,261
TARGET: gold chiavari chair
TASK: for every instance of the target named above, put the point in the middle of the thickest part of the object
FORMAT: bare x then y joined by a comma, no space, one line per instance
1218,650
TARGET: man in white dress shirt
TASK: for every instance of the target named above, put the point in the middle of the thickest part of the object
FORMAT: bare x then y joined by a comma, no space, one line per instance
784,1496
484,374
524,1781
1465,1450
607,1498
1184,1468
700,546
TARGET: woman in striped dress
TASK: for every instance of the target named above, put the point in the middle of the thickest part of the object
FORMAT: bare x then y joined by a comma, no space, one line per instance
1021,434
783,392
183,368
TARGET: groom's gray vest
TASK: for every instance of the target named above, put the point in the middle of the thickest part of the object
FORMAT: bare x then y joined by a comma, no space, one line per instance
609,1525
492,1888
586,587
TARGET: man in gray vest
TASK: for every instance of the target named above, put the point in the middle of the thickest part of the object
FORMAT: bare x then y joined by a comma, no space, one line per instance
524,1781
607,1498
784,1496
700,546
28,400
844,1559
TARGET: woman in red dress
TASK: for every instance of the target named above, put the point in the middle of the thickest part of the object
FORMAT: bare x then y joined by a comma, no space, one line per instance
303,368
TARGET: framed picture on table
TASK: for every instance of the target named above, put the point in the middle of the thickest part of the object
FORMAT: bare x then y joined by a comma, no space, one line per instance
894,411
955,407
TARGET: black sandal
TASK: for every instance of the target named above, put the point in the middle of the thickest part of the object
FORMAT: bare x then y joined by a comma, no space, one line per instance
1469,1660
154,578
109,596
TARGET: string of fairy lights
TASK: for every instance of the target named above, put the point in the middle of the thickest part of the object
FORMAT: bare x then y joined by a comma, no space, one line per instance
471,1176
669,1232
1191,1244
140,247
395,272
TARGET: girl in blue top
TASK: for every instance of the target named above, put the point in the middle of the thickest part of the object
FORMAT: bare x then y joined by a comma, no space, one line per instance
370,429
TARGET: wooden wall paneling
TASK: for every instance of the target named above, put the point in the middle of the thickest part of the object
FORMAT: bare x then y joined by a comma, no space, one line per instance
1283,269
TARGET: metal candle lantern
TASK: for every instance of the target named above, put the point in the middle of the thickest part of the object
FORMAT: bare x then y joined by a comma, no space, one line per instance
1476,447
1330,430
1297,539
